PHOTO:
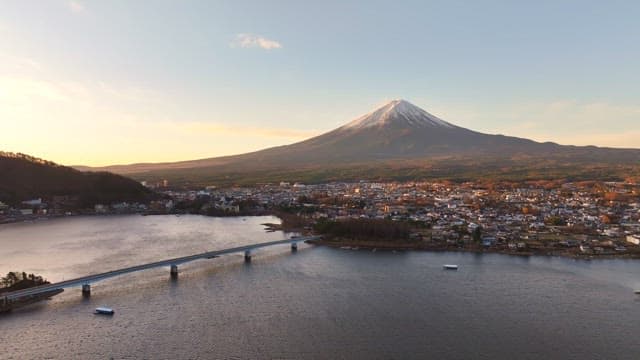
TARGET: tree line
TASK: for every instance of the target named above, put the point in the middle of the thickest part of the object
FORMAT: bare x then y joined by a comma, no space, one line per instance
365,229
15,280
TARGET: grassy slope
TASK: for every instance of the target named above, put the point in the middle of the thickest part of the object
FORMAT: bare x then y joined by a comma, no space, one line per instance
449,169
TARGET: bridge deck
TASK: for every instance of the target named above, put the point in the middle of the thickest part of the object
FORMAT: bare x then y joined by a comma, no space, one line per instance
175,261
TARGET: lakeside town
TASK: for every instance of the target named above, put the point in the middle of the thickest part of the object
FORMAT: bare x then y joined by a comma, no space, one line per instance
581,219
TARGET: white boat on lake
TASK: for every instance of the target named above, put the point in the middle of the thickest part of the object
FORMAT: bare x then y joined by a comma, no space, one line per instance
450,267
104,311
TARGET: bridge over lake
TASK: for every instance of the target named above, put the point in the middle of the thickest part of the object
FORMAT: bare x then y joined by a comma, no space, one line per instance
85,282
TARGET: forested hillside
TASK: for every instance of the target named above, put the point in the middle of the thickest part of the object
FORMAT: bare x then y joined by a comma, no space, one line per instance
23,177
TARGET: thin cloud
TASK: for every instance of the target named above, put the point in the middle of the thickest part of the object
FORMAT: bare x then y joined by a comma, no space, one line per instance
23,91
573,122
255,41
220,129
75,6
622,139
18,63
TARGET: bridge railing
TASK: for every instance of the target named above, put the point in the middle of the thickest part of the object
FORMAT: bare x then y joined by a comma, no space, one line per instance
85,280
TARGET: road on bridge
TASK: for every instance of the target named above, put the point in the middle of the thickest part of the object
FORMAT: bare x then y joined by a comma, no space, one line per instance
8,297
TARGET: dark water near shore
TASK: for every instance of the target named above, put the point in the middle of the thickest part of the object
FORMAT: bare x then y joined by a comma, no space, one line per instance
317,303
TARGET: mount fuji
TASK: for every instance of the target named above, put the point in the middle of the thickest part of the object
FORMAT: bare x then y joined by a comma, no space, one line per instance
397,135
401,130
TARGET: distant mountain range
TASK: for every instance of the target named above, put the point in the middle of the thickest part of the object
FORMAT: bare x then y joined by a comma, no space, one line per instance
25,177
397,141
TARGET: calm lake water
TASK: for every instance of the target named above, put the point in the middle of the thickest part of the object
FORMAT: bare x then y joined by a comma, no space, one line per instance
317,303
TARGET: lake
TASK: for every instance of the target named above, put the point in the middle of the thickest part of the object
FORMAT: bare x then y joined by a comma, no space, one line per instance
319,302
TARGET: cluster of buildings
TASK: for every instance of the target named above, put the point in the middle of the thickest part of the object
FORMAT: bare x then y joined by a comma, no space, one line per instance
162,184
582,217
27,209
586,217
54,206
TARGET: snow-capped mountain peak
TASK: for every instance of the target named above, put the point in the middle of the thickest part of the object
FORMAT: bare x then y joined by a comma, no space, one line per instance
398,112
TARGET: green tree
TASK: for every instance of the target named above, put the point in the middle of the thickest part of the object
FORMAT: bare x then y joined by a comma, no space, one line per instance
477,234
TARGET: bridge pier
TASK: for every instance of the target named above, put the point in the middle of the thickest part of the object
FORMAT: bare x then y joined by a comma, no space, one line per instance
5,304
86,290
294,246
174,271
247,256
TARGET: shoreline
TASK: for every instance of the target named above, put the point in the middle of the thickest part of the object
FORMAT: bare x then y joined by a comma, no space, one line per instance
39,218
374,245
35,218
386,246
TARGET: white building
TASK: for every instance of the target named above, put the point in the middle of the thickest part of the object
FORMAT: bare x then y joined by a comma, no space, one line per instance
633,239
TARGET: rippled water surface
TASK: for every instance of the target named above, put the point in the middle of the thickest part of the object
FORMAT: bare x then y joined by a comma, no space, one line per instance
317,303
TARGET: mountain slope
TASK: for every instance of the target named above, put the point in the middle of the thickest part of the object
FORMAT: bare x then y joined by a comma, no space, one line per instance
397,133
23,177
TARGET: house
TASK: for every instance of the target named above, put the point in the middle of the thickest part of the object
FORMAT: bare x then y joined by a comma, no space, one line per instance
101,209
34,202
633,239
585,249
488,241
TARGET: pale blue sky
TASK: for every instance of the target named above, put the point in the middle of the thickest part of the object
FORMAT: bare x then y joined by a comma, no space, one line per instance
101,82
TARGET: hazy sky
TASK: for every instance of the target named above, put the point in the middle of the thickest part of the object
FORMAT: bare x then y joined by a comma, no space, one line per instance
104,82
